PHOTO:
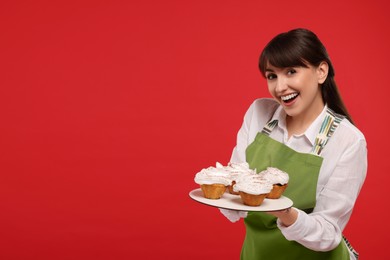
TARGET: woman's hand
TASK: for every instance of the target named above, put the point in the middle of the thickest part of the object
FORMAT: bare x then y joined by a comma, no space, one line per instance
286,216
233,215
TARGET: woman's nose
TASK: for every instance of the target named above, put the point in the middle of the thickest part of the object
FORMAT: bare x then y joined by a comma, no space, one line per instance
281,85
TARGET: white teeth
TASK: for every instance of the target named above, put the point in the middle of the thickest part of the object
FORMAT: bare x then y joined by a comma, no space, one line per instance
293,95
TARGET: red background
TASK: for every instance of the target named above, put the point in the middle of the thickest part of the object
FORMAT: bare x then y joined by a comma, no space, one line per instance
109,108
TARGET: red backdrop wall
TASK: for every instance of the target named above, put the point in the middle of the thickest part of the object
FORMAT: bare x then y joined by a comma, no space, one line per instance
109,108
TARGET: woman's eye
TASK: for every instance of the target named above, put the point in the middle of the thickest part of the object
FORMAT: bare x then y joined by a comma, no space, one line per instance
270,76
291,71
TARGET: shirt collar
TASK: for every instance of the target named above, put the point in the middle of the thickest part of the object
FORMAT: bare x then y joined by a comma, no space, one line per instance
311,132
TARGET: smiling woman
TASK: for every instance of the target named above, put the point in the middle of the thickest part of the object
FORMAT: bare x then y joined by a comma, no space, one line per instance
301,51
298,90
306,131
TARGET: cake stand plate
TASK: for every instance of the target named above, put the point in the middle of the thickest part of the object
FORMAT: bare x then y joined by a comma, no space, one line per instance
230,201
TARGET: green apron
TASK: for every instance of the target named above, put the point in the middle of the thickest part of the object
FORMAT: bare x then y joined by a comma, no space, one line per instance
263,238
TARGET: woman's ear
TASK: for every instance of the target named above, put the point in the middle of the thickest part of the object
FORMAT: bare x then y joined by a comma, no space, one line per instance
322,72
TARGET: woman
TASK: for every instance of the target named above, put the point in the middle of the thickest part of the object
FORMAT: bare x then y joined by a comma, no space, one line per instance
306,131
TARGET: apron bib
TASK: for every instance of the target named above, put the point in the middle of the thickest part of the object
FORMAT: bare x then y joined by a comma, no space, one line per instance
263,238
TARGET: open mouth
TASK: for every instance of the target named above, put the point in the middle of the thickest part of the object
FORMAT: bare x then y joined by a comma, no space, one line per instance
289,98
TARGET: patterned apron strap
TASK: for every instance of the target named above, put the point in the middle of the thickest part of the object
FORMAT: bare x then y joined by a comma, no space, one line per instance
329,125
354,252
267,129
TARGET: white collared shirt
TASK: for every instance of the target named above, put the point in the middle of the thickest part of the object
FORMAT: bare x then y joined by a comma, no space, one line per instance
341,177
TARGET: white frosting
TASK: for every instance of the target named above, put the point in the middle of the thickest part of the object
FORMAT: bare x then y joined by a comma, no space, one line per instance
247,180
213,175
252,183
275,176
219,165
236,169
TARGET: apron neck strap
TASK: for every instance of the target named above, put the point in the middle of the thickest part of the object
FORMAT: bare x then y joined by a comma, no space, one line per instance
267,129
329,125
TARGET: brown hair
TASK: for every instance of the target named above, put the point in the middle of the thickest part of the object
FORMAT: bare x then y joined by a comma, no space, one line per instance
297,48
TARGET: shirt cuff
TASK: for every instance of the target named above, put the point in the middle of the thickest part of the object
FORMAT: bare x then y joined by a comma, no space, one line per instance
295,231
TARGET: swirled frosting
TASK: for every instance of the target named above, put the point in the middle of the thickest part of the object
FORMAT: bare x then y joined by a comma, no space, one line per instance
252,183
213,175
275,176
236,169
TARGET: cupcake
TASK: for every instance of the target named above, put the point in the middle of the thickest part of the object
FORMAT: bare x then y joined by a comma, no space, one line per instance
235,170
279,179
213,182
252,189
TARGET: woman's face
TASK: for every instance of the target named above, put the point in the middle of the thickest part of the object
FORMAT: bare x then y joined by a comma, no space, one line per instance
297,89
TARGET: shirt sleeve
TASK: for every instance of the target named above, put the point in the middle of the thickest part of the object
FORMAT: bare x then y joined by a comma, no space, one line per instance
255,118
322,229
238,154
